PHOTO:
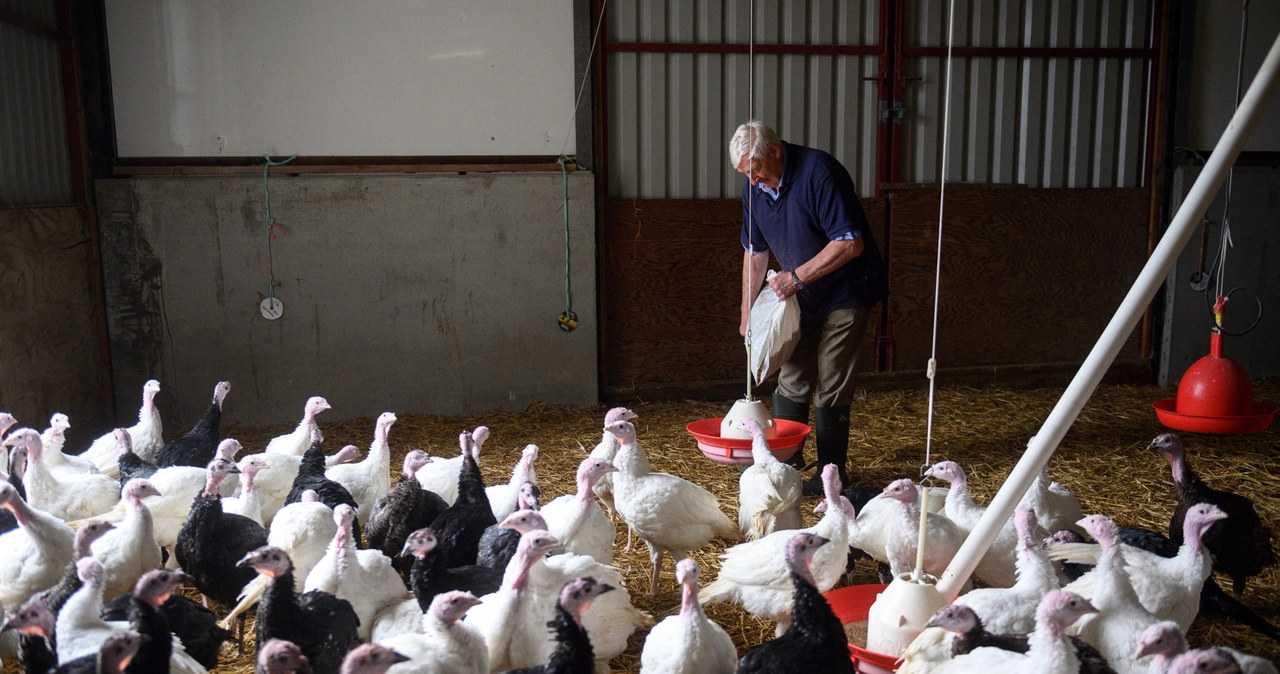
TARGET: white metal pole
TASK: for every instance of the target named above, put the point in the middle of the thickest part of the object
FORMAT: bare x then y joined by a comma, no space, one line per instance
1043,444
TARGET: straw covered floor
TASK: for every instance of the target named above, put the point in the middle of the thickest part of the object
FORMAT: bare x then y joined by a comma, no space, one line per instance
1103,459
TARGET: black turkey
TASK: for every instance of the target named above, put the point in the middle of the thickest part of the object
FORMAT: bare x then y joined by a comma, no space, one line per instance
197,446
323,626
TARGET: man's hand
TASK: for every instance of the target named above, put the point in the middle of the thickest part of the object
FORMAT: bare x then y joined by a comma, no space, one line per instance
783,285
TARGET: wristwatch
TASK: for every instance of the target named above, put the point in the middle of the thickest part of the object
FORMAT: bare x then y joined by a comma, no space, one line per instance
799,285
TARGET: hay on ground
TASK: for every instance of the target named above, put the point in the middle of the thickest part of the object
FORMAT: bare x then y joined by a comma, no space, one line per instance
1102,459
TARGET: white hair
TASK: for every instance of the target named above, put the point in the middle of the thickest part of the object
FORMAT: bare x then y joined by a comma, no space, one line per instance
752,139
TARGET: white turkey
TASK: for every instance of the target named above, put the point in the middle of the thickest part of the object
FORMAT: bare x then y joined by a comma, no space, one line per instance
80,630
768,490
670,514
512,638
1012,610
365,578
879,516
1165,642
1168,587
178,487
1056,507
146,434
1050,650
577,521
276,480
60,464
498,543
607,450
447,644
688,641
1121,618
249,502
129,550
299,439
1000,560
370,477
574,651
370,659
303,530
502,497
441,475
756,574
69,498
942,537
34,554
1205,661
610,621
54,597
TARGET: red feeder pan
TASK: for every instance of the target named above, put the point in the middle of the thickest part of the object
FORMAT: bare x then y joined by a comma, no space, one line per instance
1215,397
851,604
738,450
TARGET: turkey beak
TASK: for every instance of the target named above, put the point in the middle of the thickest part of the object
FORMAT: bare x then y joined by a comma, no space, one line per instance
405,550
397,657
247,560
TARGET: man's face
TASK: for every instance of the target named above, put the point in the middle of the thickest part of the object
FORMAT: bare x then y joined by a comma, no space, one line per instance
766,171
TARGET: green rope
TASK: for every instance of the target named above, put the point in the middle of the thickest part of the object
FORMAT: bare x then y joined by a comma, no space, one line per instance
568,303
270,219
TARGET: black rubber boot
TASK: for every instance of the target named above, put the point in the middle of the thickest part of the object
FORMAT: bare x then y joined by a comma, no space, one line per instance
831,428
792,410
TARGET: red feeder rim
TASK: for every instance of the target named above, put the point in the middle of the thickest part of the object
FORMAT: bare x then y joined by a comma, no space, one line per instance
738,450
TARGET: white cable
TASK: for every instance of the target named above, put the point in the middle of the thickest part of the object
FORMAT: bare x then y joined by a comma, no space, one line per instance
937,274
586,73
1225,243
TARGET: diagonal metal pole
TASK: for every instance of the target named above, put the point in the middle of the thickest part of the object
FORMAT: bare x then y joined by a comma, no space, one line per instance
1152,276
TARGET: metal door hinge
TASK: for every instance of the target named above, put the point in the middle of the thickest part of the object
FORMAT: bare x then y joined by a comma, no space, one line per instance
891,112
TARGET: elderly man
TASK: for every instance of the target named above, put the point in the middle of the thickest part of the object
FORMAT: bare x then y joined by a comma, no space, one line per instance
800,204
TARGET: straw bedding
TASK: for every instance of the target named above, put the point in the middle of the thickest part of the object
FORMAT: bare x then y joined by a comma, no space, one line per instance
1102,459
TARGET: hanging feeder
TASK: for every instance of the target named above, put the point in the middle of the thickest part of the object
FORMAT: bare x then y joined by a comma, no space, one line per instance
1215,397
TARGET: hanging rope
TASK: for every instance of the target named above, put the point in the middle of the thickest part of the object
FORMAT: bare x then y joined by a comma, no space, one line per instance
568,320
932,371
272,226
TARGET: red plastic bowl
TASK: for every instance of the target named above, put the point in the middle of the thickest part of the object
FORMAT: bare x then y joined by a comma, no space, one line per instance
738,450
851,604
1258,419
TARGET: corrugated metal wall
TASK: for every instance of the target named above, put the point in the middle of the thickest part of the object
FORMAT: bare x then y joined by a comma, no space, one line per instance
34,167
670,115
1042,121
1048,94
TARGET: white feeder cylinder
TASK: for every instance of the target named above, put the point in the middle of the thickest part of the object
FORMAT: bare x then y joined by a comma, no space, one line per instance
747,408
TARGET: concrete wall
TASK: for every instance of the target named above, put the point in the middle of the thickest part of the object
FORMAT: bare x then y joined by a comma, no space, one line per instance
435,294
